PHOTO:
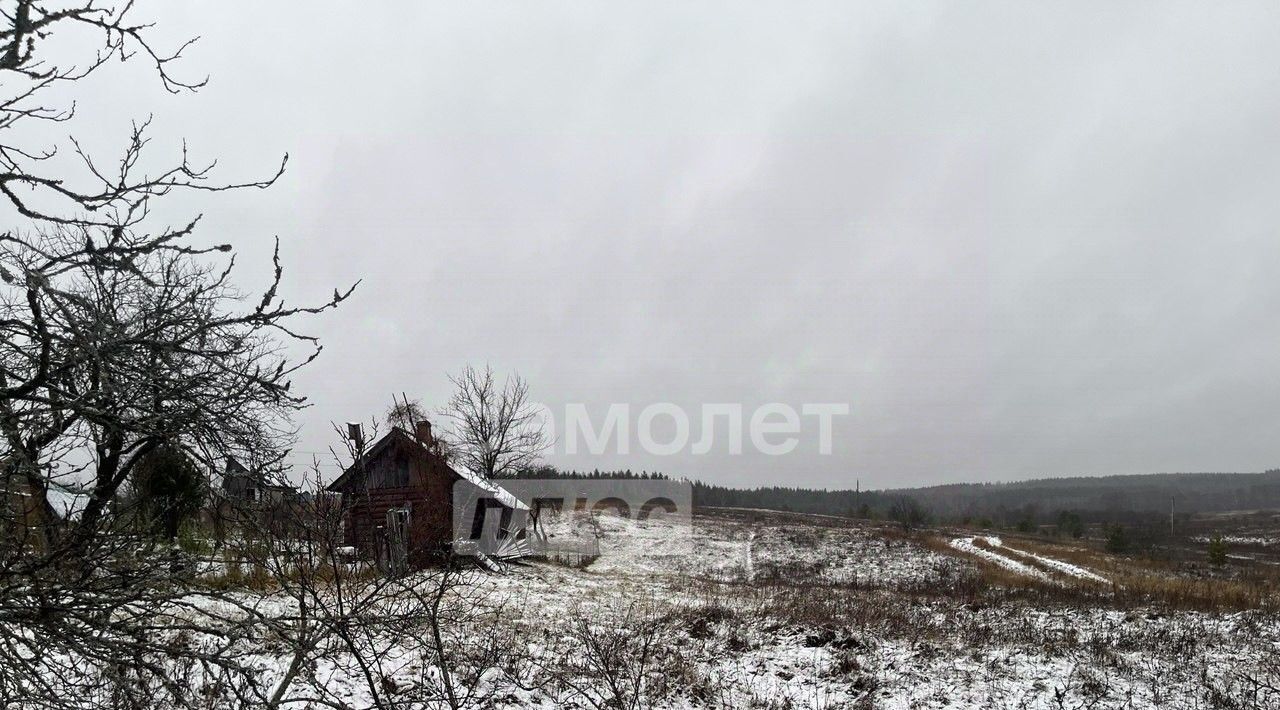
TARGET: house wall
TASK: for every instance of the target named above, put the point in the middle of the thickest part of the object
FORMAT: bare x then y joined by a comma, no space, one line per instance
402,476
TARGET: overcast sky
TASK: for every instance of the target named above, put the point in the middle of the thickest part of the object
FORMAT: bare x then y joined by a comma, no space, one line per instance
1018,239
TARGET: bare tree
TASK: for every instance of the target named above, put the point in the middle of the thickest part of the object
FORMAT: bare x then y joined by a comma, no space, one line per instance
141,357
497,431
119,337
107,194
407,415
116,337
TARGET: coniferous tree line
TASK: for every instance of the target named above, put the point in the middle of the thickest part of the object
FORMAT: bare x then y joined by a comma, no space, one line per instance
1063,504
545,471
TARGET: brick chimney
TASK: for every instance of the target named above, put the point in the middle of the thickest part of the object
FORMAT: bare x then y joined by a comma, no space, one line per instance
424,433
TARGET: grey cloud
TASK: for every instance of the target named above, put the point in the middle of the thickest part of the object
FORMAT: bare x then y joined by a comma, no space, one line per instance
1019,239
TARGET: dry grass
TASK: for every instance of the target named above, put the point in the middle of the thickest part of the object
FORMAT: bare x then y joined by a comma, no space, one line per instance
1194,594
1135,582
235,571
1089,557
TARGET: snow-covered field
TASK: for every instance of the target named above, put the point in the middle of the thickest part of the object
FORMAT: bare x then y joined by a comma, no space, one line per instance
896,645
778,611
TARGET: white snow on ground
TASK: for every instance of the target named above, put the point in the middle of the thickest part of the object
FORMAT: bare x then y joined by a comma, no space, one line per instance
950,656
966,545
740,552
1056,565
1259,540
861,556
865,643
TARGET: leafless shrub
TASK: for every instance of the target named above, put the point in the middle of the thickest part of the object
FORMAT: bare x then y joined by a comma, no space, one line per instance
624,658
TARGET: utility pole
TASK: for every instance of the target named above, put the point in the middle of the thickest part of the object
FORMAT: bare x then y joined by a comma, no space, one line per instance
1171,516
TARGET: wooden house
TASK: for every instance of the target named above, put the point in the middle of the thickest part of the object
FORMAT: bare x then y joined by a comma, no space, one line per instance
400,496
240,485
249,502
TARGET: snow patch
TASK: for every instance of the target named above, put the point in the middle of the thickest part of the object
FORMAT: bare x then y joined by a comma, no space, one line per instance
968,546
1057,565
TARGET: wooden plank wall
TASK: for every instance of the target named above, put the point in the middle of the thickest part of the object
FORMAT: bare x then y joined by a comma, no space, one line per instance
429,495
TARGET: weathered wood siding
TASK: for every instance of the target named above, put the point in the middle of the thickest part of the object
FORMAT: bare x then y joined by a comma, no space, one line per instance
403,474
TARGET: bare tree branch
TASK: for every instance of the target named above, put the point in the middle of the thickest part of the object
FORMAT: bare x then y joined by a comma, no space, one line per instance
497,431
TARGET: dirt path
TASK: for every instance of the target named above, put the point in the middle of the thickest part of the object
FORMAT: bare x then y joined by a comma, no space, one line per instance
1016,560
1057,565
969,546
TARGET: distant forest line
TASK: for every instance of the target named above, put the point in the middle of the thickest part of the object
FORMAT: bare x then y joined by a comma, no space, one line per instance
1101,498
